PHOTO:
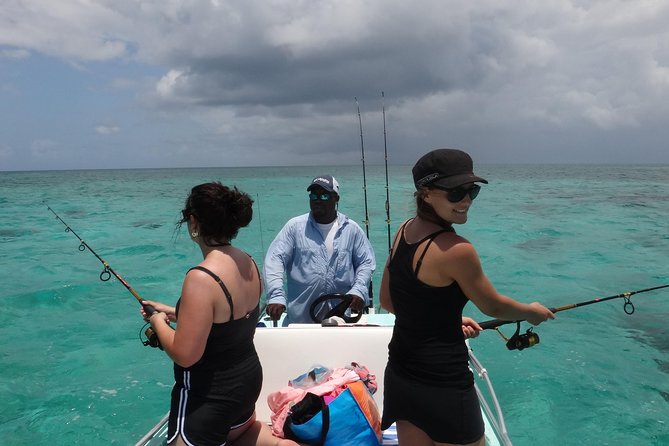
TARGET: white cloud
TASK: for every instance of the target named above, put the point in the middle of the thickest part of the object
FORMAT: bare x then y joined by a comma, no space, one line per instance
168,86
66,28
107,130
14,53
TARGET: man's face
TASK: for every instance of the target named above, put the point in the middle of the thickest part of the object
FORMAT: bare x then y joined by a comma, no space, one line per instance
323,204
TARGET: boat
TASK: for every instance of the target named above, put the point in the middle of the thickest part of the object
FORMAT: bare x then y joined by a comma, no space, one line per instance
364,342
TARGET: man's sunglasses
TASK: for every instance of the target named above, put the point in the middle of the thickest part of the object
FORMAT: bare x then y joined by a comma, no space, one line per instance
457,194
319,197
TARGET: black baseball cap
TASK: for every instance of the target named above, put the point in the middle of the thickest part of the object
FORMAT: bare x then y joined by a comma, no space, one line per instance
445,169
327,182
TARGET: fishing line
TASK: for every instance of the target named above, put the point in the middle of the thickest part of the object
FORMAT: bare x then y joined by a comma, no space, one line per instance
364,189
106,274
529,338
385,152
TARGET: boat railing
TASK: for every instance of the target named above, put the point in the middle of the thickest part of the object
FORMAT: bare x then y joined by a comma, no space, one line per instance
157,436
496,417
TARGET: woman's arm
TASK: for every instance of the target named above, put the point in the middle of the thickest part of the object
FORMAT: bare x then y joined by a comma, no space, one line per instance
186,344
384,293
465,267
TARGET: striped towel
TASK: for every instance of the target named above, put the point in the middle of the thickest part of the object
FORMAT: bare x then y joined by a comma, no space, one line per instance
390,436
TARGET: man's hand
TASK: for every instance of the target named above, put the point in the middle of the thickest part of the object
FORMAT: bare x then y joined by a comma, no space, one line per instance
357,304
275,311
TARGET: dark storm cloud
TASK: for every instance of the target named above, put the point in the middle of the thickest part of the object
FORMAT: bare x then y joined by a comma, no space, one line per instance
242,82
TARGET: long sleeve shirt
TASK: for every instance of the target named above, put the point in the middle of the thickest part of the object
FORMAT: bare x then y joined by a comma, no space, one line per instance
299,253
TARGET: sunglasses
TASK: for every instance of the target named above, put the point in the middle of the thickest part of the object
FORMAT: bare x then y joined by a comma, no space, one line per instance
458,194
187,214
319,197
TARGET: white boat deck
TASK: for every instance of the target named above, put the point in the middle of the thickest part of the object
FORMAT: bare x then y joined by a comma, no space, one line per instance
286,353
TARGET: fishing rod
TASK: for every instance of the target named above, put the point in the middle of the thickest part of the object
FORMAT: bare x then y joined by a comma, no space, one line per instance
530,338
364,189
364,174
105,275
385,152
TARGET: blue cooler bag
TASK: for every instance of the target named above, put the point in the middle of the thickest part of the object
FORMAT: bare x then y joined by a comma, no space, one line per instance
343,422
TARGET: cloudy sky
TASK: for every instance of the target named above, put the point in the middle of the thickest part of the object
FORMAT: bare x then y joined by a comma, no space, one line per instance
167,83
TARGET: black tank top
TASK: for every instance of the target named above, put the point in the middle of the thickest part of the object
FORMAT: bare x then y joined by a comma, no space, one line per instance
427,343
229,350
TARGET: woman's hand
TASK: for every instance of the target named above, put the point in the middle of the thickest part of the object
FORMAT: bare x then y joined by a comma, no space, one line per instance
470,327
168,311
539,314
158,316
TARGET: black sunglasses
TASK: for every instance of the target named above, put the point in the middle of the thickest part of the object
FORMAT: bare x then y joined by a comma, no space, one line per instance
457,194
319,197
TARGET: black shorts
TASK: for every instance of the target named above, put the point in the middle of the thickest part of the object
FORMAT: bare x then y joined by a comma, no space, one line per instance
445,414
204,420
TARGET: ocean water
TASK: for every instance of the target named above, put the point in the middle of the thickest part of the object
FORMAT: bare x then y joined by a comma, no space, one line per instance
73,369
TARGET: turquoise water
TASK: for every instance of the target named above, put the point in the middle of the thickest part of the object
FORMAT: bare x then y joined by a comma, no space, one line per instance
74,371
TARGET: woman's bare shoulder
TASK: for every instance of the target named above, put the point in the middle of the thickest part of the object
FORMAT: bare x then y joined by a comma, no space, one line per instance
452,240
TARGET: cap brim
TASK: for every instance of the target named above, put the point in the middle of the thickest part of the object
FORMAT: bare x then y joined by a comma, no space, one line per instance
312,186
456,180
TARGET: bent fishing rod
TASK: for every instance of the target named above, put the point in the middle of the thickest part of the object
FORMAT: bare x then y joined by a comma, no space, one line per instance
530,338
385,152
106,274
364,189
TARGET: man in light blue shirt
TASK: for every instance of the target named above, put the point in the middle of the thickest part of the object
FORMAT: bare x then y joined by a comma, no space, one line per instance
322,252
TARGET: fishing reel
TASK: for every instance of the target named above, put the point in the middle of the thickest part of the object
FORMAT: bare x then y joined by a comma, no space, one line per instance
521,341
151,338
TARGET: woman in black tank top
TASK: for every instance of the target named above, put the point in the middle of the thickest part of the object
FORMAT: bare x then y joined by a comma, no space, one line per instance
430,276
217,372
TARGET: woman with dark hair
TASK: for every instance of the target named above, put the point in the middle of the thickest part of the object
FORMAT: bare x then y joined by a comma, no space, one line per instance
217,372
430,275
